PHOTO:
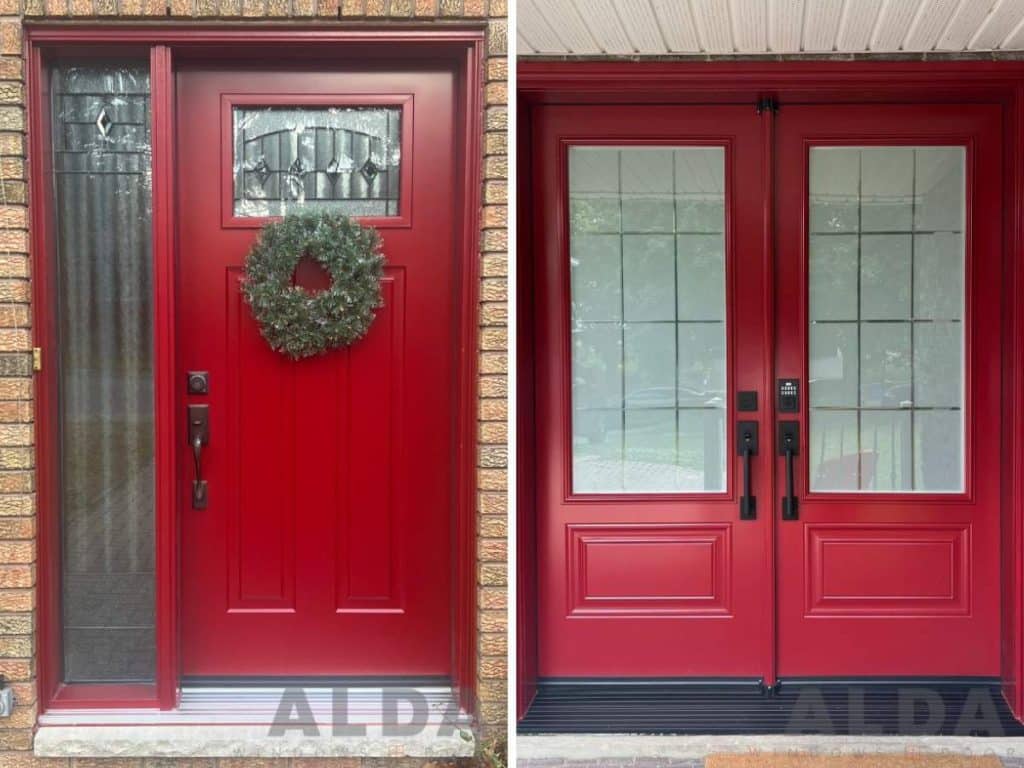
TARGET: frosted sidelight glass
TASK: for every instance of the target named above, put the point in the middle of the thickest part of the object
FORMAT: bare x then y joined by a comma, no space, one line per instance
886,324
647,263
102,186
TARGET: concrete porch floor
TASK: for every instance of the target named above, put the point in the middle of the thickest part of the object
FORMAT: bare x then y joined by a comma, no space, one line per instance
795,751
777,760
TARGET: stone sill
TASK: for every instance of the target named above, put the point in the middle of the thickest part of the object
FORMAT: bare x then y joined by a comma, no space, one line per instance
609,748
237,722
240,741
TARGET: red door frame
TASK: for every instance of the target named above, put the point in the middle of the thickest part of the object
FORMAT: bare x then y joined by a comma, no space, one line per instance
698,82
464,47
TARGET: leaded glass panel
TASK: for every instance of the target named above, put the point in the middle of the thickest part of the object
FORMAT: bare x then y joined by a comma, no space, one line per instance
288,159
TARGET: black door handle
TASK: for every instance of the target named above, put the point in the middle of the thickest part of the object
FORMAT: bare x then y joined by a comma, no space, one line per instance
746,446
789,446
198,436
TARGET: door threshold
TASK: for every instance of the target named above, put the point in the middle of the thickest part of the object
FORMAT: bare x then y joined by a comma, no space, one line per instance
269,721
910,706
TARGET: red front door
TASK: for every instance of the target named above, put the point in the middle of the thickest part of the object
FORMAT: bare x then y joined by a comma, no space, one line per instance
323,548
649,300
888,306
662,354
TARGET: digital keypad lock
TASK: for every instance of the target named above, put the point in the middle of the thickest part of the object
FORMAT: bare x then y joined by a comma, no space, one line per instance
788,396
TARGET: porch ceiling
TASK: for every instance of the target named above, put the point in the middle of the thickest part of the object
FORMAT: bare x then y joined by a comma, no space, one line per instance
729,27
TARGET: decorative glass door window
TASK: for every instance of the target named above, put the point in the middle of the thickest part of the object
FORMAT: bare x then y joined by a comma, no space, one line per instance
288,159
886,334
648,312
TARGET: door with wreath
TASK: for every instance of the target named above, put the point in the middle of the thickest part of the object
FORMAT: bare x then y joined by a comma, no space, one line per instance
316,507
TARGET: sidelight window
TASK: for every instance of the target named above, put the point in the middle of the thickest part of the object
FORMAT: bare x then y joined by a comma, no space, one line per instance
886,334
648,319
100,129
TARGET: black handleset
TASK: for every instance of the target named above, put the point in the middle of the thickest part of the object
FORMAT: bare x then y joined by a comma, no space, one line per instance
788,401
746,446
789,446
198,436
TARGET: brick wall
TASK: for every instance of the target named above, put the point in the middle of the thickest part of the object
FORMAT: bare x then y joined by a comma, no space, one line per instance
17,482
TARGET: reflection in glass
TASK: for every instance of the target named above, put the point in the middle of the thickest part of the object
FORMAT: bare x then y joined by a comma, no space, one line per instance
886,277
648,319
102,186
288,159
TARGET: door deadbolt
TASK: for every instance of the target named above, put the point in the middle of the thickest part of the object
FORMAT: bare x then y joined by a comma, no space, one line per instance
198,382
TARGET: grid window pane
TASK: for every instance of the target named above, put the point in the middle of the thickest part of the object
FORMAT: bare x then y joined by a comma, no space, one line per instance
886,384
648,319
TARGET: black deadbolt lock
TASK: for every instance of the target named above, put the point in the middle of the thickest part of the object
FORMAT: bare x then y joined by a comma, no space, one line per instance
198,382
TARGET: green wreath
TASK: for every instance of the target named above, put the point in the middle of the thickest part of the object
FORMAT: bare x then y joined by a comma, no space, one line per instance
294,321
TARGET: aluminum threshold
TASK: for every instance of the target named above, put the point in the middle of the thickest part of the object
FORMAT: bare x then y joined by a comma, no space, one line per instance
969,708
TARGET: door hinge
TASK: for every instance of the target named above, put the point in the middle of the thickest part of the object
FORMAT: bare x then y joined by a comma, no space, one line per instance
37,358
767,104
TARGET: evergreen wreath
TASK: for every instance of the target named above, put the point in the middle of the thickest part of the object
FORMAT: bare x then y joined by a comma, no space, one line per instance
294,321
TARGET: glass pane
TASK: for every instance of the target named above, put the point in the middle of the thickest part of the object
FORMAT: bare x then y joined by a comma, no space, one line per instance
647,200
650,364
885,365
886,450
649,275
346,159
701,286
102,183
597,277
886,282
938,459
835,186
648,319
885,277
833,277
835,450
834,365
938,365
597,451
887,186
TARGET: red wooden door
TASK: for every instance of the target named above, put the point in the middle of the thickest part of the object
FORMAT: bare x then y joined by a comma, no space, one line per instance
888,313
324,548
649,301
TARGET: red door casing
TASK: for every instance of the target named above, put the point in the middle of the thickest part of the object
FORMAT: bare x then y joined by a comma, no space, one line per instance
325,545
649,302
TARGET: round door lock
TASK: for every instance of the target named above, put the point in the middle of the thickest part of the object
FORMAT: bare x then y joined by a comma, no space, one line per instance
198,382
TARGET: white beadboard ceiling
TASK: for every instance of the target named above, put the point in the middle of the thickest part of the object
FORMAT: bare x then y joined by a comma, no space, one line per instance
665,27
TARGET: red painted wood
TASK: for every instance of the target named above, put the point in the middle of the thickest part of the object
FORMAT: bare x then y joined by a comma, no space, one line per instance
1013,388
105,696
44,335
167,420
328,532
912,579
467,218
525,518
642,633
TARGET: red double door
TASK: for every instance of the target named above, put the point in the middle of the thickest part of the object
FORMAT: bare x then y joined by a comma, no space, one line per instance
768,390
322,547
